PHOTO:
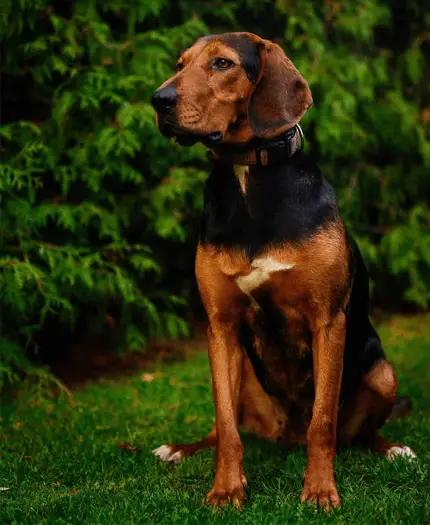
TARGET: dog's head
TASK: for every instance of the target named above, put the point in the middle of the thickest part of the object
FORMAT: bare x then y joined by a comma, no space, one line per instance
230,88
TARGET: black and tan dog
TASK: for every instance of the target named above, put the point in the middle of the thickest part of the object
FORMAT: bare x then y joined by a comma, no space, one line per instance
293,355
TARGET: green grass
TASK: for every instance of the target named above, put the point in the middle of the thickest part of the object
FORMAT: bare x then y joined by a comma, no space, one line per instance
61,462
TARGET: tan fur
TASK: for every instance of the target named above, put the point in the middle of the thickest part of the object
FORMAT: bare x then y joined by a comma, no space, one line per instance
308,289
259,412
371,407
382,380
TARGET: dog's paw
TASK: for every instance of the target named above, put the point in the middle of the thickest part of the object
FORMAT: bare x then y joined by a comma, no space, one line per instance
169,453
397,451
218,497
321,494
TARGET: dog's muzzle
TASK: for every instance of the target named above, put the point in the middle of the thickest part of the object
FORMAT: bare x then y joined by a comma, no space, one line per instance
164,101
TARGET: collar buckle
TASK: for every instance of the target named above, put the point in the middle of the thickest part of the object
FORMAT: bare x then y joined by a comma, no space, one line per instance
261,156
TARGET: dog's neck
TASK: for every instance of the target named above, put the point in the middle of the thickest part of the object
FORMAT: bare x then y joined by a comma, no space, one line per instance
261,152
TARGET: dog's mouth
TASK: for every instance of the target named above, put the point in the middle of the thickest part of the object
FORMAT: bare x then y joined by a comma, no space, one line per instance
188,138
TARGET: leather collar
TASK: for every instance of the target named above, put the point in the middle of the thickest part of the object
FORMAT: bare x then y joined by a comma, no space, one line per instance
261,152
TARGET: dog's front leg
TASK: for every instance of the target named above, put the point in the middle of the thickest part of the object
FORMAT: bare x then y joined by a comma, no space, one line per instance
327,349
224,304
226,358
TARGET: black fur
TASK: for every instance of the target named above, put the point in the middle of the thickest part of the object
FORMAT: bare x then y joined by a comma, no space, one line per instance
284,202
362,346
287,202
249,54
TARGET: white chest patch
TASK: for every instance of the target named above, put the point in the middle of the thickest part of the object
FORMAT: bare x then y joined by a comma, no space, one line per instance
241,173
261,270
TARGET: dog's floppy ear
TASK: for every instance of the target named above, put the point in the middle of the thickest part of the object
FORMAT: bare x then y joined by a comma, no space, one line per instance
281,95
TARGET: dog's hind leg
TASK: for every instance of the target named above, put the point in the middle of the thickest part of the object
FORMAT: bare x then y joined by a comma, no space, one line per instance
259,412
370,410
176,453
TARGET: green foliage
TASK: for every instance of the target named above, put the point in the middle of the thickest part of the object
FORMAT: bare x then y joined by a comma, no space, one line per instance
93,197
99,213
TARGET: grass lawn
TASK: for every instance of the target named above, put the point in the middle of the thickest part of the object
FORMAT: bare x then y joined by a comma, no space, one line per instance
73,461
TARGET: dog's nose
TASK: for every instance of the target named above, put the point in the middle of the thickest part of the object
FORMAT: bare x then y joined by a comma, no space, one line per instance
164,99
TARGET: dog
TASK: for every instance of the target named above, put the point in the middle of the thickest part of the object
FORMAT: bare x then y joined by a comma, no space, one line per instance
292,352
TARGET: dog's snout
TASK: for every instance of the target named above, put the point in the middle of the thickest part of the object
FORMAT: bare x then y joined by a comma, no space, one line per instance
164,99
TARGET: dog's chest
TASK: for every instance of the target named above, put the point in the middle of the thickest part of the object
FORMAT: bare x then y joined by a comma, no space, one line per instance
250,209
261,270
279,346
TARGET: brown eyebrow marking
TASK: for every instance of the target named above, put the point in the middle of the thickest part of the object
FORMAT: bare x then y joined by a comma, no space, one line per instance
225,51
191,50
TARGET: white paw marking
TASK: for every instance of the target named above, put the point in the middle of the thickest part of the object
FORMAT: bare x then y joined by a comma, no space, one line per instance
165,453
396,452
262,268
176,457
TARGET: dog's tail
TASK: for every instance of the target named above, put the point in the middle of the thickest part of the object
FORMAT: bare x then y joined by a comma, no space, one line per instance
402,408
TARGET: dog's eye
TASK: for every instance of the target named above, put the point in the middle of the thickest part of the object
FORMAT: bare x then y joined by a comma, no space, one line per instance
222,63
179,66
